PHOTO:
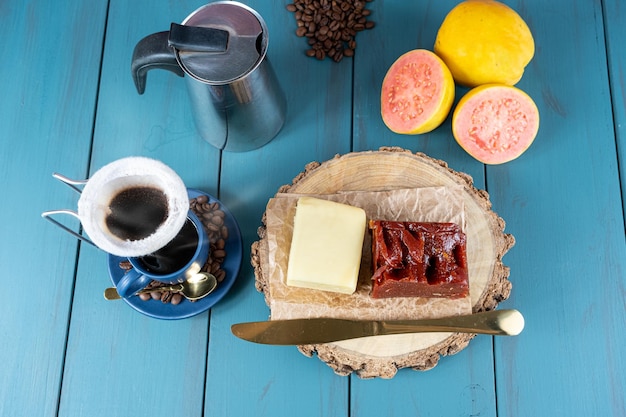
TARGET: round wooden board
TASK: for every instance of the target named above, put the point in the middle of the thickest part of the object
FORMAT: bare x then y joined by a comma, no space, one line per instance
395,168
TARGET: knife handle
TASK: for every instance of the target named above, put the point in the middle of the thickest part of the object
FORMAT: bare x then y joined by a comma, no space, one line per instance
496,322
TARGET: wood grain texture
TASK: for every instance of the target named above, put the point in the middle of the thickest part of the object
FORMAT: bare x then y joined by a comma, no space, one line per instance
615,32
50,75
388,169
69,105
401,27
318,126
459,385
563,197
137,359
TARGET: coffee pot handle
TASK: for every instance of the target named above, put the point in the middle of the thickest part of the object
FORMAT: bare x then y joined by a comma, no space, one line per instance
158,50
153,52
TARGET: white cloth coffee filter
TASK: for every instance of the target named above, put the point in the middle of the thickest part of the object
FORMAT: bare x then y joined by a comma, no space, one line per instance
93,205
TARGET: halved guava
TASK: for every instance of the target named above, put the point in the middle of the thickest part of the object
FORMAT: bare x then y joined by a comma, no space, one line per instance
495,123
417,93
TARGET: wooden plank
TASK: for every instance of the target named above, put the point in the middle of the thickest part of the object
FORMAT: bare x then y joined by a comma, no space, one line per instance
249,379
614,15
120,362
402,27
562,202
50,73
467,377
462,382
571,293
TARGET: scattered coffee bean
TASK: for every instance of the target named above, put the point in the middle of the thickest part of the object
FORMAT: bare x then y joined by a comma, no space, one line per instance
202,199
126,265
220,275
145,296
176,299
219,253
330,25
166,296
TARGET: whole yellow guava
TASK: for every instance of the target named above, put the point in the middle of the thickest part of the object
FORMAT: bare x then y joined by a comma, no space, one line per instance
483,42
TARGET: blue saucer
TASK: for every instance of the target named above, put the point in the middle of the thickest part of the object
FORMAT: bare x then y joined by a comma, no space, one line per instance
232,264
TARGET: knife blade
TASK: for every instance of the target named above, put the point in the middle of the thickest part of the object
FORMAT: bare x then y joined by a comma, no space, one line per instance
325,330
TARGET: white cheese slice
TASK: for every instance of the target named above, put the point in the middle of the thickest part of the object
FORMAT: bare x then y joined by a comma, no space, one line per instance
326,247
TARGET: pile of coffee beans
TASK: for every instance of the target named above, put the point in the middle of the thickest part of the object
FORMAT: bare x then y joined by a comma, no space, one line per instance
212,218
330,25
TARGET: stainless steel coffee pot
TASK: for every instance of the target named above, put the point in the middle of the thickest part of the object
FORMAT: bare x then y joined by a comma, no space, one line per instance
237,102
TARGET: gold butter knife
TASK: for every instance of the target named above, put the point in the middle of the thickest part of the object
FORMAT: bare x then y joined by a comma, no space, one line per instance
326,330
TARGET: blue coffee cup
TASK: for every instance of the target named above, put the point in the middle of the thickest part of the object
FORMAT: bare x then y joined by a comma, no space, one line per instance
183,257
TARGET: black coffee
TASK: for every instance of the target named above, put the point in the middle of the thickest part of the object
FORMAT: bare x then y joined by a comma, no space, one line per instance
176,254
136,212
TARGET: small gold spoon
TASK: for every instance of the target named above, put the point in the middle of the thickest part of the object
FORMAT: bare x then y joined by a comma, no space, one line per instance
195,288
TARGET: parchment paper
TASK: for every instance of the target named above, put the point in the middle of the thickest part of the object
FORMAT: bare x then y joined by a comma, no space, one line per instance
432,204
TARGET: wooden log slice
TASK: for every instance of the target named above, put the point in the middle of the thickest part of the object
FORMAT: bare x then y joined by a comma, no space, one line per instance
395,168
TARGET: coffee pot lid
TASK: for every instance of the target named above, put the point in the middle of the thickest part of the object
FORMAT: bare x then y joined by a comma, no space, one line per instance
220,42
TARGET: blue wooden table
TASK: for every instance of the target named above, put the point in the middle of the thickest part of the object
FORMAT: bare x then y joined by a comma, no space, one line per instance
69,105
